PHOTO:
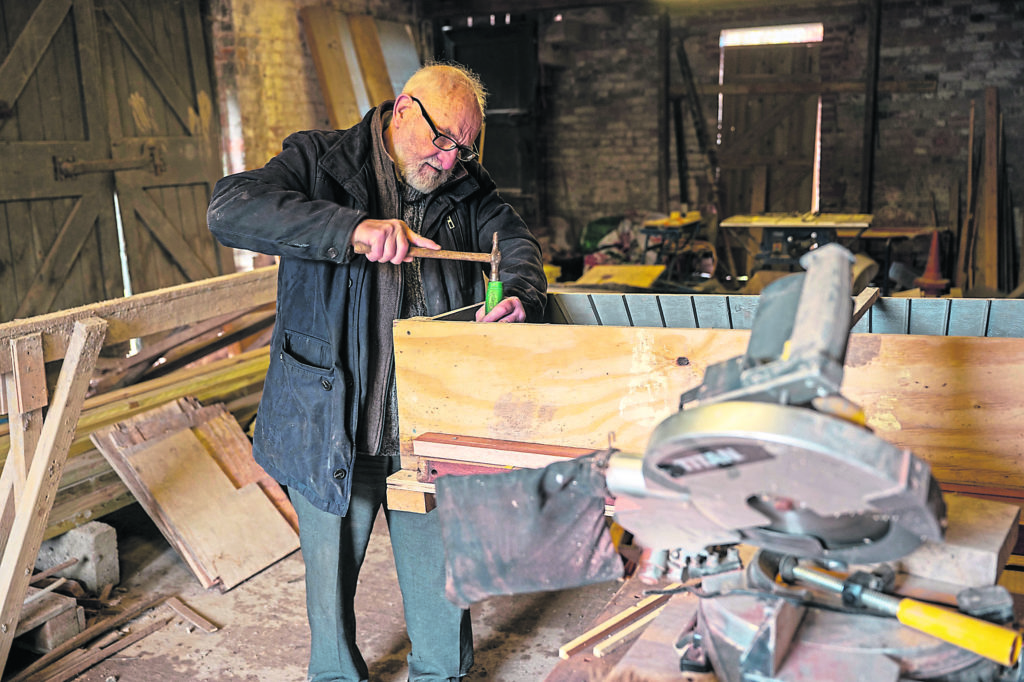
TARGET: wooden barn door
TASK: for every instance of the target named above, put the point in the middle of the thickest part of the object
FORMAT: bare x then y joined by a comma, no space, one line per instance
768,128
58,234
102,99
161,105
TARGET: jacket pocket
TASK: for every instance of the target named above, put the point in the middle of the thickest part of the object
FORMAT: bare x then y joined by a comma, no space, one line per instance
300,428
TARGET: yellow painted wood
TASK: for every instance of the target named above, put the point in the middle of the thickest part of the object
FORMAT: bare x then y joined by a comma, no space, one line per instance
367,45
325,33
642,276
860,220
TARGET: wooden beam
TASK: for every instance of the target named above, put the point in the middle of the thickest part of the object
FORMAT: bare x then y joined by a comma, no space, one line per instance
147,313
796,87
33,507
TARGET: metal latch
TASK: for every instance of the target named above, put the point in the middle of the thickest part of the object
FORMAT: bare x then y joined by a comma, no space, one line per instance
152,159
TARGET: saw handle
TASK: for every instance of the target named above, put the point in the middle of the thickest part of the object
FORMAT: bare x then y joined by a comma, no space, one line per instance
994,642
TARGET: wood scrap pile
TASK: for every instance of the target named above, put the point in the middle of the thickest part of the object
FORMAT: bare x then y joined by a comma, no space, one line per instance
109,633
89,487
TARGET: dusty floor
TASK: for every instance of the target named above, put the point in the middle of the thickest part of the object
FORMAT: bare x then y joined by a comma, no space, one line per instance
263,636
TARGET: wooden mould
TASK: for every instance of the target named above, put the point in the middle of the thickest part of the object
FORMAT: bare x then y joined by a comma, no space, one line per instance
941,377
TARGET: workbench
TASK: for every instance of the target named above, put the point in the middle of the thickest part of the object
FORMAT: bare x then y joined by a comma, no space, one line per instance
848,228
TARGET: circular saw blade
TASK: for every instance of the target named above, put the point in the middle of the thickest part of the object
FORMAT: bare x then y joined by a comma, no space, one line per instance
795,481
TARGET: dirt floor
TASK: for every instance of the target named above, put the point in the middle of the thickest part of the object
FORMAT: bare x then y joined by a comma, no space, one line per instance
263,635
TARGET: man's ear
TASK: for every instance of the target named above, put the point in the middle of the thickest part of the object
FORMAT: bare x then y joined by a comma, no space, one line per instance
401,107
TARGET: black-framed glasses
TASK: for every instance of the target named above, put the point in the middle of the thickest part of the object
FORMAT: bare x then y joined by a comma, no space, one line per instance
442,141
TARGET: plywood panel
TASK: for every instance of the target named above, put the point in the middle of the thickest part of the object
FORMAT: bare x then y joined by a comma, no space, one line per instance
954,401
233,533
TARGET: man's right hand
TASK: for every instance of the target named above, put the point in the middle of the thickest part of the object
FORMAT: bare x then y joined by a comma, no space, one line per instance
388,241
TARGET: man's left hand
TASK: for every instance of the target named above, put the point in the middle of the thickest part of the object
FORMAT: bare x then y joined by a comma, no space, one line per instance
508,310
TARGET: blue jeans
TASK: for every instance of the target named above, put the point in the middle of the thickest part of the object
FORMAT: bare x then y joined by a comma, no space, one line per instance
333,548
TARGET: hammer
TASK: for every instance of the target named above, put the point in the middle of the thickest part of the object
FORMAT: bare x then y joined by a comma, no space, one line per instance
494,287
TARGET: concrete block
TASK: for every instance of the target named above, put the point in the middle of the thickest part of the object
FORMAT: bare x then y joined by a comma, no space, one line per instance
94,545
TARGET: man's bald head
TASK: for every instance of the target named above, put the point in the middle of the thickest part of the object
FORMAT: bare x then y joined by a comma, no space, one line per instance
448,81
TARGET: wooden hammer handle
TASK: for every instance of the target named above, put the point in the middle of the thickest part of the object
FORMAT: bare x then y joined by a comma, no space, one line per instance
420,252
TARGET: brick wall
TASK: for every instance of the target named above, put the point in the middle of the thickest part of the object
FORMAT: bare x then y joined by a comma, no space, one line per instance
600,125
266,80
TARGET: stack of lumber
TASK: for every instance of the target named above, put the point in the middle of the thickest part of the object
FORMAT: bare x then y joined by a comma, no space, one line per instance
987,257
191,469
90,488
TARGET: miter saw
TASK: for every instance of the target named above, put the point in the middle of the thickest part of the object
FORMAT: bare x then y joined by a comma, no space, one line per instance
767,452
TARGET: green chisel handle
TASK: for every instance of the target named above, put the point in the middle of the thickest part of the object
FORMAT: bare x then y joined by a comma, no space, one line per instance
494,295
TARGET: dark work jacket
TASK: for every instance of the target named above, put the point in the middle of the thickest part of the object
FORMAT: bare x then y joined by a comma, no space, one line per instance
303,206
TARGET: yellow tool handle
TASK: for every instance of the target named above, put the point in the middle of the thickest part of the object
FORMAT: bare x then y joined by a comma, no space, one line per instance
420,252
994,642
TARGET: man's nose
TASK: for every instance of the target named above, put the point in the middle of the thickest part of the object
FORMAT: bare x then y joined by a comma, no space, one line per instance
448,158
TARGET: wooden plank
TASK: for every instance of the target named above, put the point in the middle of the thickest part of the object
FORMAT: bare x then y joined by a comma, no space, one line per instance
622,619
979,539
954,401
234,533
986,251
492,451
322,28
963,266
370,55
44,477
191,616
28,397
148,313
400,55
641,276
405,493
66,670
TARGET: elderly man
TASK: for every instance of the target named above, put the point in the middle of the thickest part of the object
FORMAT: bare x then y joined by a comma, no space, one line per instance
327,428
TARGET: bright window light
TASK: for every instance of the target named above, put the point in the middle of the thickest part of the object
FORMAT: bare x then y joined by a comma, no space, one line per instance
772,35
